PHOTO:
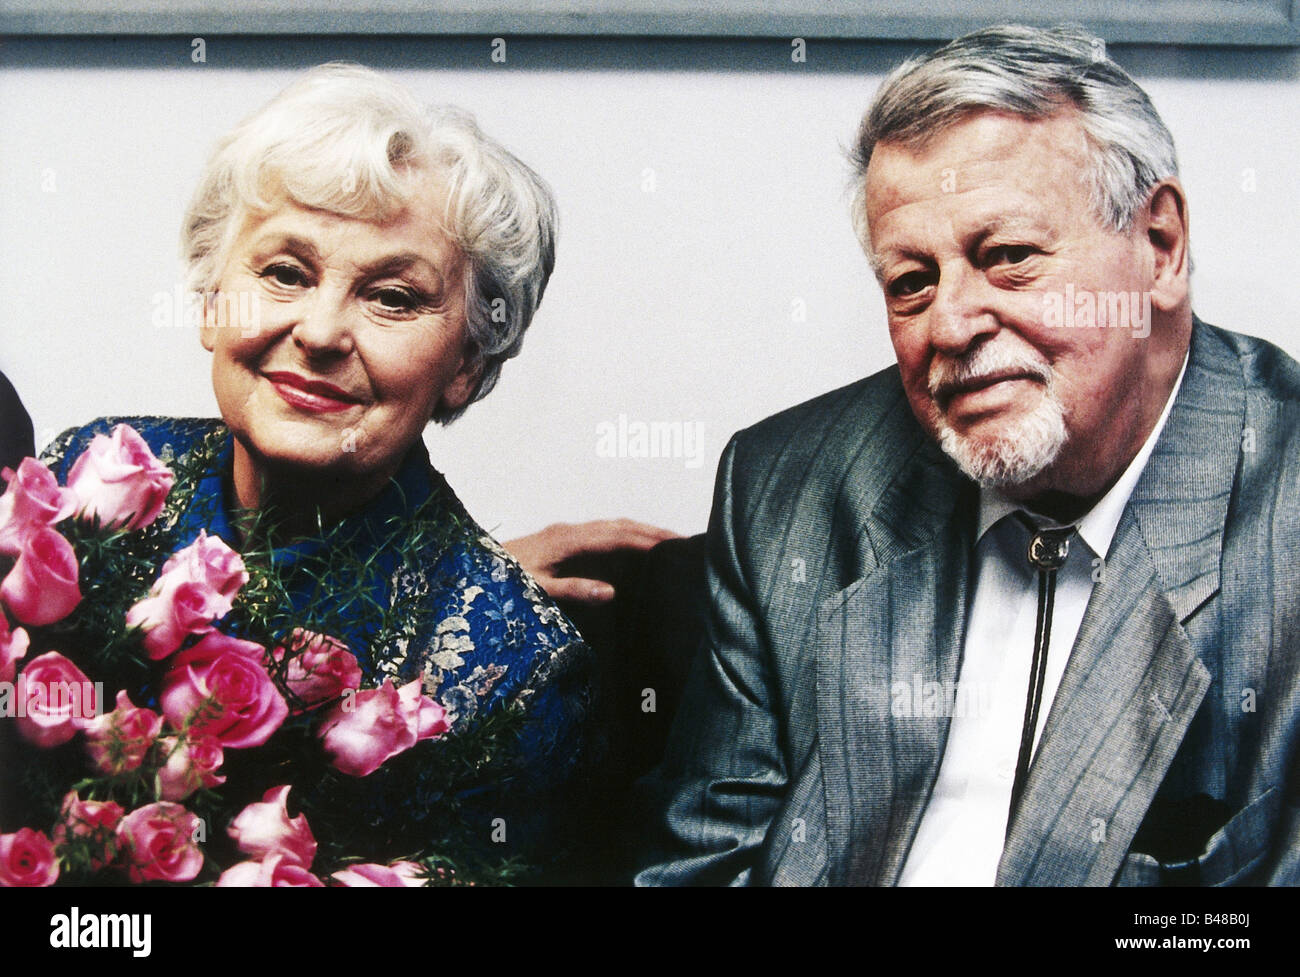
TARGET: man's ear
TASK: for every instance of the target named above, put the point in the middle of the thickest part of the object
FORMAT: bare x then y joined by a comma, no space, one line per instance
1166,235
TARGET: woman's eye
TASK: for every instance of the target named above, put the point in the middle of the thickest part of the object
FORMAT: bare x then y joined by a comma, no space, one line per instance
396,299
286,275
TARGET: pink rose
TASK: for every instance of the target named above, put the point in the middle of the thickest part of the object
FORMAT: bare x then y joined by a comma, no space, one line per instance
365,730
27,859
320,671
189,765
266,829
58,700
159,843
274,871
42,586
13,647
220,687
427,717
118,480
91,823
197,585
397,875
32,501
119,740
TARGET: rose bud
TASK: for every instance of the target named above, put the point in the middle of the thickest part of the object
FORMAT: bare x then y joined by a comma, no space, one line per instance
91,823
32,501
58,700
119,740
118,481
220,687
27,859
321,669
159,842
13,648
42,586
189,765
197,585
429,718
370,876
274,871
265,828
362,733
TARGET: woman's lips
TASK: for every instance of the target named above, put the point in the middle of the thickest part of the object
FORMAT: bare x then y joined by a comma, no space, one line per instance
313,396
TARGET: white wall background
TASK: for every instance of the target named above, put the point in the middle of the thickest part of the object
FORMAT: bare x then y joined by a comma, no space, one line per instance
671,304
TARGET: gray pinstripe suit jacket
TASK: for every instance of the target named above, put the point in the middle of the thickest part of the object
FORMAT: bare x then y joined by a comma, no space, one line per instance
839,562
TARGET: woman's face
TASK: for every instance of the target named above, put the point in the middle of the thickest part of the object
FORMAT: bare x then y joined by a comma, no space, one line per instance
334,339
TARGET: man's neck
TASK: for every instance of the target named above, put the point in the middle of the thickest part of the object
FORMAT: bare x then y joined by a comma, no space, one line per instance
1069,507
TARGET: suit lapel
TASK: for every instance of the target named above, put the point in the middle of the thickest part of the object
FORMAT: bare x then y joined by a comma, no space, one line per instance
1134,682
1132,686
879,642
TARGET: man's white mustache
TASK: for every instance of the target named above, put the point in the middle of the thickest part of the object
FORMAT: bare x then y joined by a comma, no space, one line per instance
947,375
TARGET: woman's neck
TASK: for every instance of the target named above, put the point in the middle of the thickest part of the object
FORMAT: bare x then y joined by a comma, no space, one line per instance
302,501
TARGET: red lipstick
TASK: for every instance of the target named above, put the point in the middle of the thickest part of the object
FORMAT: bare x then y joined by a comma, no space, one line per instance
313,396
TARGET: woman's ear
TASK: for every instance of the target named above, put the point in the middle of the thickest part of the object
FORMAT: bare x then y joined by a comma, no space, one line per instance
458,392
208,328
1166,235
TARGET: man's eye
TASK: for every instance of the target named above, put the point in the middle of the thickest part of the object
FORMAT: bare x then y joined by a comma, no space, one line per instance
1010,254
289,276
909,284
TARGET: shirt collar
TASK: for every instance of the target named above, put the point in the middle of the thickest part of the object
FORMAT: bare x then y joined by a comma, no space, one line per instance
1098,525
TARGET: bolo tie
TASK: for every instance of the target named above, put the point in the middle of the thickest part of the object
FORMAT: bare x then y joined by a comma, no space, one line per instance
1048,549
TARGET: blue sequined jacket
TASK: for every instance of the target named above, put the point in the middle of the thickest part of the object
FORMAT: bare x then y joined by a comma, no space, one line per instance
487,635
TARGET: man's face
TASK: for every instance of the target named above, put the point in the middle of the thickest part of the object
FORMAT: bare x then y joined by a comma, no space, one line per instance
980,240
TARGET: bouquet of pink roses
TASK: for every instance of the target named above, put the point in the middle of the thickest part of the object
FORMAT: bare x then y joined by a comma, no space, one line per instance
96,595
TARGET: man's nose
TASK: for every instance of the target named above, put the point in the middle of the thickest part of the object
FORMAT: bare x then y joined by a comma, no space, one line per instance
960,314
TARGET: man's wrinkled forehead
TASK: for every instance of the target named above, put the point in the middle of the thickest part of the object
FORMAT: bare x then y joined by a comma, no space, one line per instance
975,164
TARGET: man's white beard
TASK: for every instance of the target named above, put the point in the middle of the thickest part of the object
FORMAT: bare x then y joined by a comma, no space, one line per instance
1018,454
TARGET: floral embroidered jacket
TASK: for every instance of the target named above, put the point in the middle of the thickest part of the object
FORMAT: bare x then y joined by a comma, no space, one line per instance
477,627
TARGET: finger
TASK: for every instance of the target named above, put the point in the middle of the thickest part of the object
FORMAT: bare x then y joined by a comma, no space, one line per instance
611,535
579,590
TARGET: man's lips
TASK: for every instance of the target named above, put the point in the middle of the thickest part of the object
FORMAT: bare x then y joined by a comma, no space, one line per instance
311,395
971,385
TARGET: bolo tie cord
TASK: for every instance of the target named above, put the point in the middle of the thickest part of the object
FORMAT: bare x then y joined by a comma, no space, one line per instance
1047,552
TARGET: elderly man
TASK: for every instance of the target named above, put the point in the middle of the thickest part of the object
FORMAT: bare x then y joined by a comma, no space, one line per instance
1024,609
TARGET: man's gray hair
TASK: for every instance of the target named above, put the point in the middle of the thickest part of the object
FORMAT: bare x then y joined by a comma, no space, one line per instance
346,140
1034,73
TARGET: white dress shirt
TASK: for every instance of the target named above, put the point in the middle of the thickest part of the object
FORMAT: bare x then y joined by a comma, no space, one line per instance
961,835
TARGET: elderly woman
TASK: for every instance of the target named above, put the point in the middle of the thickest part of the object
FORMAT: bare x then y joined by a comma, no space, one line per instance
367,267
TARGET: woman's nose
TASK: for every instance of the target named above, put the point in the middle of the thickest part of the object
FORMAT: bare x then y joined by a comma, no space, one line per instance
324,326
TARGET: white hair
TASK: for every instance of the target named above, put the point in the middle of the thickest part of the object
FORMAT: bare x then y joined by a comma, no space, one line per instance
1012,457
346,140
1034,73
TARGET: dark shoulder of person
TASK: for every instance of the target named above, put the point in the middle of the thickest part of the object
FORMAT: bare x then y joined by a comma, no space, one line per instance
16,443
645,642
17,440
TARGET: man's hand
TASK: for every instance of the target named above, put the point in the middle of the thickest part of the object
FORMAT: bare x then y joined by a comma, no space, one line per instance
597,545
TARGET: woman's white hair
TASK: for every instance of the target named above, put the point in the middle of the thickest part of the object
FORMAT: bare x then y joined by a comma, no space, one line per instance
344,139
1034,73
